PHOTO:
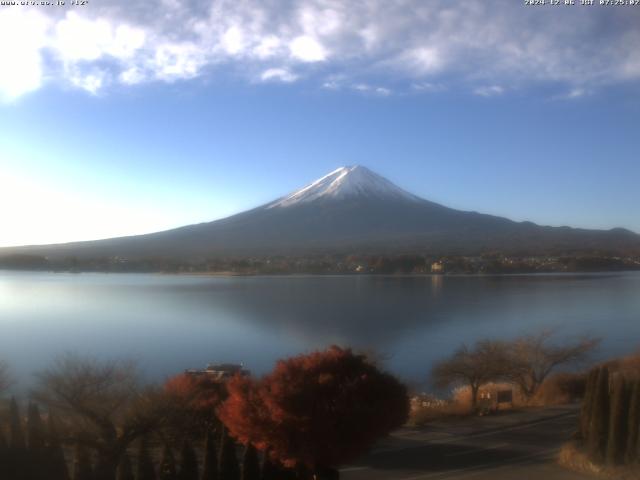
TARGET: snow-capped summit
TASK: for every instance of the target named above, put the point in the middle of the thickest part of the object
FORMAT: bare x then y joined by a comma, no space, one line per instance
349,181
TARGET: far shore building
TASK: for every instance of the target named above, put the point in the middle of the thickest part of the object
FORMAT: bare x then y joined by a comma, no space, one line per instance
220,372
437,267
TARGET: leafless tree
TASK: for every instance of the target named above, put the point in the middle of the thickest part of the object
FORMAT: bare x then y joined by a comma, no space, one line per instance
483,363
533,357
102,403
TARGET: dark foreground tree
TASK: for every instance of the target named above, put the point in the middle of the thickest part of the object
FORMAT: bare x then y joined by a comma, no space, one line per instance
168,465
144,469
228,467
188,462
17,462
35,430
56,463
5,377
250,464
36,444
210,461
599,423
82,469
274,470
631,455
323,409
587,403
17,442
269,470
4,456
125,469
616,444
532,358
473,367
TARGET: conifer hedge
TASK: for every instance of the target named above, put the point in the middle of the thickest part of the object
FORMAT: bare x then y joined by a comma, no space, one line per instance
610,417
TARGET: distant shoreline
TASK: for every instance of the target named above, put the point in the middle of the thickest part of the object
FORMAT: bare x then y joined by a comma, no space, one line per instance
307,275
494,263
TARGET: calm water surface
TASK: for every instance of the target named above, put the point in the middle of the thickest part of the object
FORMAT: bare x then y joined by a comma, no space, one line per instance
169,323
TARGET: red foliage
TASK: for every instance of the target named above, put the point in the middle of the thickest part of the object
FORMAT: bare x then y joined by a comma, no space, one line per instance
323,409
198,393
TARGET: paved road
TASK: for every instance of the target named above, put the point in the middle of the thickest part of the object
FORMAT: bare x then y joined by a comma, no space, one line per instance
511,446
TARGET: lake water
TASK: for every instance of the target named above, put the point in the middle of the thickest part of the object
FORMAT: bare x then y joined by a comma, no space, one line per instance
171,322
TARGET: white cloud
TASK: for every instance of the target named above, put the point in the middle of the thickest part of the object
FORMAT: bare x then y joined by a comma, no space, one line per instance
489,90
280,74
78,38
267,47
423,60
423,45
91,82
577,93
307,49
331,85
132,76
22,37
573,94
364,87
126,41
233,40
427,87
174,61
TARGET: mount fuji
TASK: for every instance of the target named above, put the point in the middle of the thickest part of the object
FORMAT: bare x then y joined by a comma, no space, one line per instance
350,210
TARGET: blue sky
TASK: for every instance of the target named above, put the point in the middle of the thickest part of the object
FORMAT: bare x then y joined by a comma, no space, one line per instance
118,121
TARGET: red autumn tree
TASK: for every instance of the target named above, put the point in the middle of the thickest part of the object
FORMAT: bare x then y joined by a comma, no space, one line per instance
321,410
199,392
194,401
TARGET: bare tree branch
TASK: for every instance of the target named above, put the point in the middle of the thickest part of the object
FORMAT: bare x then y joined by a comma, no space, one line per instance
102,402
533,357
472,367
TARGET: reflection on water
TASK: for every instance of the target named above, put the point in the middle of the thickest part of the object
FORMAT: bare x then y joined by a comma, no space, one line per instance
170,323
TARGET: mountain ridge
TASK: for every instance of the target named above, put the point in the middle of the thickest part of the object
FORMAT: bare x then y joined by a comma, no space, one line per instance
351,209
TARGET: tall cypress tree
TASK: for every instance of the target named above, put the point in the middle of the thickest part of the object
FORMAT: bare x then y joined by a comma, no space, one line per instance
35,429
82,469
17,461
633,423
269,468
228,467
125,469
16,434
250,463
275,470
599,424
56,463
168,465
587,403
36,467
210,462
4,457
617,422
188,462
145,469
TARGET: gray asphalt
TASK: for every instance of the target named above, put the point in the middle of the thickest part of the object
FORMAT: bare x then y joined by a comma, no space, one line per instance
509,446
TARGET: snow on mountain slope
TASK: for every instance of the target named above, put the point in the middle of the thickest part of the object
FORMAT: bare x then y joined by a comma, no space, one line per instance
350,181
